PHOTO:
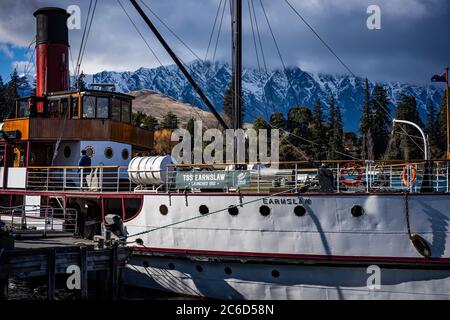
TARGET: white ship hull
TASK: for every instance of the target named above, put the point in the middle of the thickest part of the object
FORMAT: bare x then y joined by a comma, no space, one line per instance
323,254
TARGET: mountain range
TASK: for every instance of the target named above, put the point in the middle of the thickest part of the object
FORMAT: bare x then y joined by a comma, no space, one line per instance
265,92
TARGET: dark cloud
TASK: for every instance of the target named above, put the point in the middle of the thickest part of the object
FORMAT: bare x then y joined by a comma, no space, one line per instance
412,44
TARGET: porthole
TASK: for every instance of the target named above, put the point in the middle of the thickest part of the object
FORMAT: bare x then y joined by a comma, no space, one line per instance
125,154
90,151
357,211
264,210
275,273
199,268
203,209
163,209
299,211
67,152
233,210
228,270
109,153
171,266
146,264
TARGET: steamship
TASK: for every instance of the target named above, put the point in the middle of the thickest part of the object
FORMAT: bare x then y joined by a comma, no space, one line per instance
358,230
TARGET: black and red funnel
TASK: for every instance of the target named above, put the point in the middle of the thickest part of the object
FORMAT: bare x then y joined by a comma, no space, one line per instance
52,51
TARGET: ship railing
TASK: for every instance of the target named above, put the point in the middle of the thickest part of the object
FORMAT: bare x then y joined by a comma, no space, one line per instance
40,219
86,179
327,176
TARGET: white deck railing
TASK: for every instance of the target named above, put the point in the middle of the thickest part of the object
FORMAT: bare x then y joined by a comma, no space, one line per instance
340,177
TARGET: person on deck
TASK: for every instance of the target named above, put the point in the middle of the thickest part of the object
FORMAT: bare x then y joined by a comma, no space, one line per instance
84,164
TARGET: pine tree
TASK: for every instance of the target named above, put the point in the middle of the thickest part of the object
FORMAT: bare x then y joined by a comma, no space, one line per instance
150,123
277,121
380,121
81,82
170,121
431,131
137,119
402,139
259,124
365,125
12,93
228,105
2,98
442,129
336,132
319,132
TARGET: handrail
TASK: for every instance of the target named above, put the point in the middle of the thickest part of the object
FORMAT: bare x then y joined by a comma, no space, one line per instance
75,167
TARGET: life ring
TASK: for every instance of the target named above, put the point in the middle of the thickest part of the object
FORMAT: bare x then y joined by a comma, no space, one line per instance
409,182
349,169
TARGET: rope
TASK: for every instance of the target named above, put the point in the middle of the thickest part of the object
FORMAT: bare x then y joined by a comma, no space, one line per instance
207,215
406,202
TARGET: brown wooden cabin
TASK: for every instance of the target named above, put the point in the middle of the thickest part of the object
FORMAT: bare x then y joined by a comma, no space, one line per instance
89,115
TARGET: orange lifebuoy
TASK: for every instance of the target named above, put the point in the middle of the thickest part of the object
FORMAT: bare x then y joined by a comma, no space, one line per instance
349,169
409,182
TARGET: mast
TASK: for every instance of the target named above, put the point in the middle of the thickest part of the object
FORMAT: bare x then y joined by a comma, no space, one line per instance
237,63
179,64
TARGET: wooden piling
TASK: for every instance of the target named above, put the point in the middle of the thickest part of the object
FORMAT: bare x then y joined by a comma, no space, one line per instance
52,256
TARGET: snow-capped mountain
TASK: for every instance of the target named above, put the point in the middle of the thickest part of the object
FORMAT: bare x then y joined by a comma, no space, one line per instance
265,93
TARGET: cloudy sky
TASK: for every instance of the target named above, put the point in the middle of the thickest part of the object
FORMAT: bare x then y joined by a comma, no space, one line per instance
413,42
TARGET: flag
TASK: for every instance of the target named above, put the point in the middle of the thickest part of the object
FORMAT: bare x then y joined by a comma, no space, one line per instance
438,78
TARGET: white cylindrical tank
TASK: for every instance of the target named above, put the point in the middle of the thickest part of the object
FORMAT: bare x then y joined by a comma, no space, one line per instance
146,171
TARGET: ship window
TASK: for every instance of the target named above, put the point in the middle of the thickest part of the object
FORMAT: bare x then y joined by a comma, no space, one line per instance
233,210
53,108
126,111
88,107
115,109
23,111
102,107
132,207
125,154
163,209
90,151
357,211
109,153
228,270
299,211
63,107
67,151
275,273
203,209
264,210
75,108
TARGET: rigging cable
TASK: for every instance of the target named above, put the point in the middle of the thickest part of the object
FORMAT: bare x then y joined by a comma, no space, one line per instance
279,54
171,31
213,29
83,38
142,36
345,65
